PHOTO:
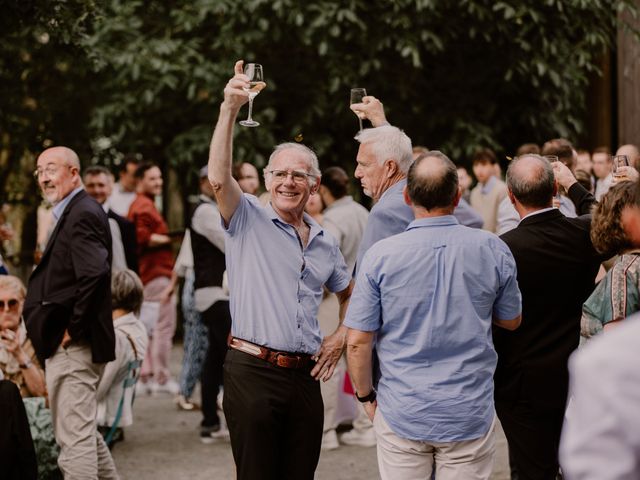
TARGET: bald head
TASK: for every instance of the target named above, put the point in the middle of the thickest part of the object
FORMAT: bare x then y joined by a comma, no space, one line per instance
64,154
58,173
530,179
432,182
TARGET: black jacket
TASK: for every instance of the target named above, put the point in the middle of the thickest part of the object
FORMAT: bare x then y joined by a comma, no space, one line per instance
71,287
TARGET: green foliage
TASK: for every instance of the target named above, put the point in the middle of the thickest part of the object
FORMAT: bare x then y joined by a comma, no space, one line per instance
134,75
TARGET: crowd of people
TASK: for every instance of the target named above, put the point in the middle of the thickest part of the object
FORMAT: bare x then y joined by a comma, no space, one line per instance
445,308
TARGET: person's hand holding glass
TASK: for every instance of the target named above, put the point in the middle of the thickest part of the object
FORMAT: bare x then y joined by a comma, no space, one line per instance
557,198
367,107
621,171
255,76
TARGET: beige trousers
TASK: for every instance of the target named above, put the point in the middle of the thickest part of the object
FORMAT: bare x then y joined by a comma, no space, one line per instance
72,381
402,459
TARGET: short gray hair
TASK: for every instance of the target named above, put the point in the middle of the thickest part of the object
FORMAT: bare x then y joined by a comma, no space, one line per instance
532,187
388,143
312,159
126,291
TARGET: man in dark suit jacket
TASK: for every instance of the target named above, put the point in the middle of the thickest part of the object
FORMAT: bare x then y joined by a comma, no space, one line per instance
557,266
68,314
98,183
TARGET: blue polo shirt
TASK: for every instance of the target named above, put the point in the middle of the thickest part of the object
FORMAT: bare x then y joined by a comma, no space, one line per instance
275,285
430,293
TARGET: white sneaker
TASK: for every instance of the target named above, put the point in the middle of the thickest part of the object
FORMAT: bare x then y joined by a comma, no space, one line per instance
329,440
360,438
170,387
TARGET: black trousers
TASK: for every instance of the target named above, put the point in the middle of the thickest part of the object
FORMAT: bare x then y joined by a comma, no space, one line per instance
17,454
534,438
218,321
275,417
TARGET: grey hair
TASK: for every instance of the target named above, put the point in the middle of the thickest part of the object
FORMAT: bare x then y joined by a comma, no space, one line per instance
532,187
388,143
311,158
126,291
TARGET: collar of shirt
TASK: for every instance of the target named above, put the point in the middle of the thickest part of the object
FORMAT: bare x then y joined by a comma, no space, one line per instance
487,187
440,221
341,201
59,207
314,227
542,210
399,185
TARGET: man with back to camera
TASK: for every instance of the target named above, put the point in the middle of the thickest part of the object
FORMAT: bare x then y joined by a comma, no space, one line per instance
278,260
383,159
430,295
557,265
68,314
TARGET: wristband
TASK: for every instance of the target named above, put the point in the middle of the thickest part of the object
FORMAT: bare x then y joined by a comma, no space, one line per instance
371,397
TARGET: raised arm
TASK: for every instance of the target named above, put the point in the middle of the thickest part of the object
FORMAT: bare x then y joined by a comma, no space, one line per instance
370,109
228,192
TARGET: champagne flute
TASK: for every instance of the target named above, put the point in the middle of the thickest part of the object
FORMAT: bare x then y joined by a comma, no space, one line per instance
256,83
357,94
619,161
557,200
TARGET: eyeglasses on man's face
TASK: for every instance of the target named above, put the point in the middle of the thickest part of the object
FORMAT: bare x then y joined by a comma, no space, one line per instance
11,305
49,171
297,175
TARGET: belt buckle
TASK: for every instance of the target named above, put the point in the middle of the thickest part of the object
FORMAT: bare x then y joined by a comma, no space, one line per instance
284,361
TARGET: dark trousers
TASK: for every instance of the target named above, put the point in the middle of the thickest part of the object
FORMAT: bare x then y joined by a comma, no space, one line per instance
17,454
534,438
275,417
218,321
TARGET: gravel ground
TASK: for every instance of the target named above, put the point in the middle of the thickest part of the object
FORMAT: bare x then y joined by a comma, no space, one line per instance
163,444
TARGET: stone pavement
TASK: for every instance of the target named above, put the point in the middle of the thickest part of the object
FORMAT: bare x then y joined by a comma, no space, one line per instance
163,443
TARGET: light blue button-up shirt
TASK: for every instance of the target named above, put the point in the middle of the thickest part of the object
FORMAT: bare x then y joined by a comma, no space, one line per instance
391,215
430,293
59,207
275,285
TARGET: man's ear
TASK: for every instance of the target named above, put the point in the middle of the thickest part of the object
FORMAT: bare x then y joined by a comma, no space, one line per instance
512,197
392,167
405,195
315,186
458,197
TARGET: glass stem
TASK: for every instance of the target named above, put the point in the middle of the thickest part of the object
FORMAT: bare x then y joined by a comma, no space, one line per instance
360,122
250,109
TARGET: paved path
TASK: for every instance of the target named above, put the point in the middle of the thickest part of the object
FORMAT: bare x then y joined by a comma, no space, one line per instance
163,443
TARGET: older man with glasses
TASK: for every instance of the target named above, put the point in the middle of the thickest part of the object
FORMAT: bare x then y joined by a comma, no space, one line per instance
278,260
68,314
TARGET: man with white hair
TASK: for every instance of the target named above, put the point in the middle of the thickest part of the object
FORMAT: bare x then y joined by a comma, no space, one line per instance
384,158
278,260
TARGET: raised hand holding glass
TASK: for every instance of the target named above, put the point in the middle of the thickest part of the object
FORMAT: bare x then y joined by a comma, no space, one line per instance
256,84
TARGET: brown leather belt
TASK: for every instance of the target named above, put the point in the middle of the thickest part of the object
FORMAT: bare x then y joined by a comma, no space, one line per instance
296,361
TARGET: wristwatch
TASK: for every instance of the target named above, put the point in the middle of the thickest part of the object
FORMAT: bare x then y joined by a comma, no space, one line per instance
371,397
24,366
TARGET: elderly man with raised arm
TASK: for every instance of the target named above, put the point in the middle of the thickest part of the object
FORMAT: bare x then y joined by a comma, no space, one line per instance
278,260
430,295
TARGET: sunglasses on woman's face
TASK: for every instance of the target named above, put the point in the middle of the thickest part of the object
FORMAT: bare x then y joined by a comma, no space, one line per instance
11,305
